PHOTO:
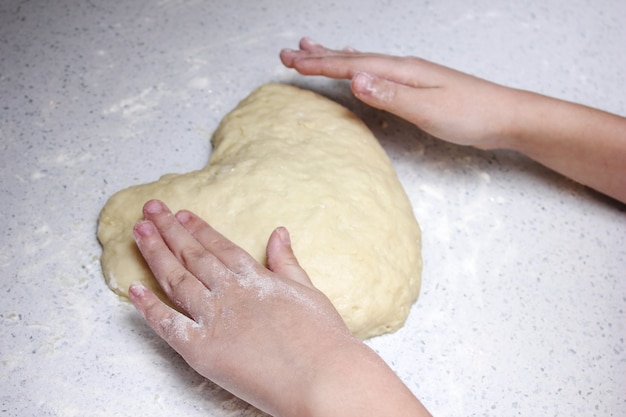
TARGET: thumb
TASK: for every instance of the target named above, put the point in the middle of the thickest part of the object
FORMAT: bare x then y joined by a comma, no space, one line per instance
281,259
374,90
399,99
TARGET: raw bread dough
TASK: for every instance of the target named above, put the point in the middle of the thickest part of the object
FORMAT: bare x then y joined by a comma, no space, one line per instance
287,156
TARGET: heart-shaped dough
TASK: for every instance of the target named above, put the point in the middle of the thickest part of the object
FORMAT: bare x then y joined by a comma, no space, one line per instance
290,157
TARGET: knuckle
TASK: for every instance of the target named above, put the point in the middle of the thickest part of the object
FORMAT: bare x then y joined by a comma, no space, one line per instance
223,245
175,278
190,256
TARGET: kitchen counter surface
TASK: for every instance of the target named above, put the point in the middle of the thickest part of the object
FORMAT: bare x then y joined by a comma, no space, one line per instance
523,304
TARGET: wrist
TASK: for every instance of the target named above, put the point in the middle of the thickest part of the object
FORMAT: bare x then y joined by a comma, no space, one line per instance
511,117
355,381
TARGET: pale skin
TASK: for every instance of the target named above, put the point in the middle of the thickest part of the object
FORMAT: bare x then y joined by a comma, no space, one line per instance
583,143
264,332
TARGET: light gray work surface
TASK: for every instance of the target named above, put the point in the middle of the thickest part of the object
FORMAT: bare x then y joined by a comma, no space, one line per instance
522,310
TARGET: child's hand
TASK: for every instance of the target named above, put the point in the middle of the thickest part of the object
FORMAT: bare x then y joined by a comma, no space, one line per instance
446,103
585,144
266,335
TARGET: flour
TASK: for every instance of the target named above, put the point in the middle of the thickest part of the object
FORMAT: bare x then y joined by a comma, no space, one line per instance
179,326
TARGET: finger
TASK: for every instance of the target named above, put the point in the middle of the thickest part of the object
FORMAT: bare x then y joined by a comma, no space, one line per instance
310,49
191,254
314,59
317,62
225,251
309,45
344,65
281,259
180,285
175,328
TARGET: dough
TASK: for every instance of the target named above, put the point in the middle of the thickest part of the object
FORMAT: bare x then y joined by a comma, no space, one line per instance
287,156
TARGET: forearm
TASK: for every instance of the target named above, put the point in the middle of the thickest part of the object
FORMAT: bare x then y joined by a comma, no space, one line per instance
585,144
357,383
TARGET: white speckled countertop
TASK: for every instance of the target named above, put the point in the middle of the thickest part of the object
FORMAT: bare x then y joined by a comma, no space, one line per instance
523,307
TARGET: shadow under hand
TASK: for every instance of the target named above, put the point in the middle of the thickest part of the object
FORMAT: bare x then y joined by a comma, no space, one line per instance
418,156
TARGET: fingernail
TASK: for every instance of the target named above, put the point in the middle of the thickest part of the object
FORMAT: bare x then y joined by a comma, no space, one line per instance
283,234
153,207
143,229
183,216
363,81
137,289
366,85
